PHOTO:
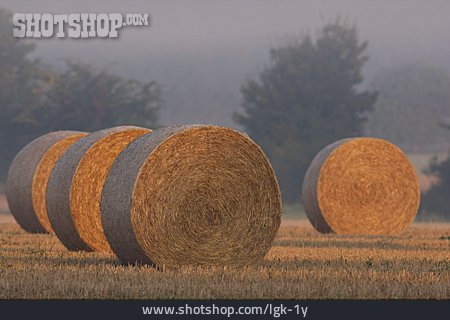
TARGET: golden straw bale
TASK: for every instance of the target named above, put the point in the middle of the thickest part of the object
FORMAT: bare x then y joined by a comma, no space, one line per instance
72,197
28,176
87,185
361,186
191,195
42,175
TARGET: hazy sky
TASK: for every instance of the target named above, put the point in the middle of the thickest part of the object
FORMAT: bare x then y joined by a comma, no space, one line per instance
191,41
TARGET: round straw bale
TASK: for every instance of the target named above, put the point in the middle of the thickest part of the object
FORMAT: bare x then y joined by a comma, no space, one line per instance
75,185
361,186
87,185
191,195
42,175
28,176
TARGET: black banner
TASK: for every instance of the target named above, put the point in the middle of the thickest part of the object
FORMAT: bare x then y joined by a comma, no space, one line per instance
225,309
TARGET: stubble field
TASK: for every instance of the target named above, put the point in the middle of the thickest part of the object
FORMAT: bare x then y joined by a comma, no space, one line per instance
302,264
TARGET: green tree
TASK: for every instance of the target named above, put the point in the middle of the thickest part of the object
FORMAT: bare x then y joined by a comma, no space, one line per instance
35,99
83,98
306,98
21,78
436,199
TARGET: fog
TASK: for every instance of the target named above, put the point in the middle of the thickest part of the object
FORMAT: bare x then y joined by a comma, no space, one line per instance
201,51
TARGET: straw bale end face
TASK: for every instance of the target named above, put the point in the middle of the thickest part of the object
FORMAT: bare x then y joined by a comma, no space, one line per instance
361,186
42,174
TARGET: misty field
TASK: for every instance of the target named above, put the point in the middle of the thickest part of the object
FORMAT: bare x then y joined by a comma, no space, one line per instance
302,264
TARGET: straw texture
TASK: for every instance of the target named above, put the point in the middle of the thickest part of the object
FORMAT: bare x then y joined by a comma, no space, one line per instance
43,171
361,186
22,179
191,195
59,188
87,185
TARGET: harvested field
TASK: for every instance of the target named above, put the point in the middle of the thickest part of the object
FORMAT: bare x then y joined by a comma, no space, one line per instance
302,264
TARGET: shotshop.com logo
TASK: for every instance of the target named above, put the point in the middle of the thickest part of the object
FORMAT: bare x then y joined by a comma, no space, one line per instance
74,25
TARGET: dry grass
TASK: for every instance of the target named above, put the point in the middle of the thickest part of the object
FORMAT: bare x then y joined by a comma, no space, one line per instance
302,264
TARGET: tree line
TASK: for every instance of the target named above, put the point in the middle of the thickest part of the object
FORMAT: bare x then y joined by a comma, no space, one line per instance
309,95
35,98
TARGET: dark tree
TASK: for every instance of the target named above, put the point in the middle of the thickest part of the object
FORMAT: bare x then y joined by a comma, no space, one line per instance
21,79
437,199
35,99
306,98
83,98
